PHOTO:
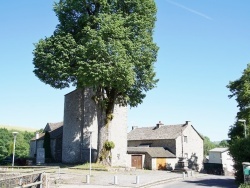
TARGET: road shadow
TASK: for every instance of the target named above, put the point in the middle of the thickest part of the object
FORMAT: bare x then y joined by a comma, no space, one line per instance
214,182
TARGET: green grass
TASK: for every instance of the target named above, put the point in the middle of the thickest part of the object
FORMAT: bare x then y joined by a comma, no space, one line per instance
85,166
18,128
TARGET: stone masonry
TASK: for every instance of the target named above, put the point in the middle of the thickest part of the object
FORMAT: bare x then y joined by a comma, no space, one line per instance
80,118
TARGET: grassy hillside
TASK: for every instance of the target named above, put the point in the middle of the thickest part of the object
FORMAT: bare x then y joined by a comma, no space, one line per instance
18,128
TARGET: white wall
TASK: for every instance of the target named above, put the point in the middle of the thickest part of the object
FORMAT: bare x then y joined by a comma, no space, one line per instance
194,145
215,157
227,161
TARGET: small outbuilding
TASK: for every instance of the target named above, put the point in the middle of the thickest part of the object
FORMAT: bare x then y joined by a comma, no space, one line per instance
153,158
223,157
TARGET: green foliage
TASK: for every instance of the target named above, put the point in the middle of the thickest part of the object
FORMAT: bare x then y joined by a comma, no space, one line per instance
244,185
5,140
240,90
223,144
240,151
3,149
106,45
22,143
40,131
108,145
208,145
238,145
46,145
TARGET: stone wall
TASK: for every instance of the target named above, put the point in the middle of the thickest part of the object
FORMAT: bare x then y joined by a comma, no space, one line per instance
80,118
72,135
118,134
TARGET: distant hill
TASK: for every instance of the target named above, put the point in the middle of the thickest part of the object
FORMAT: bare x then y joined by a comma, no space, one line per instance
18,128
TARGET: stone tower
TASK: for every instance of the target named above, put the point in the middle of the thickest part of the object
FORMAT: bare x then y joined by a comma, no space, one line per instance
81,117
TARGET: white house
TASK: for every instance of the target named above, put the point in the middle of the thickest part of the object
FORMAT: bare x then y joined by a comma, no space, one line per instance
222,156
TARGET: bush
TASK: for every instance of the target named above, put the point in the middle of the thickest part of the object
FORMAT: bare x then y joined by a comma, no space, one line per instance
240,151
108,145
244,185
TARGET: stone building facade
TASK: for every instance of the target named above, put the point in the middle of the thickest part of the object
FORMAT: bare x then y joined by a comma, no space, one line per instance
182,140
81,116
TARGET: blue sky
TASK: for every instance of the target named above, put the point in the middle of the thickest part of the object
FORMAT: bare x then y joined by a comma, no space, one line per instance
203,45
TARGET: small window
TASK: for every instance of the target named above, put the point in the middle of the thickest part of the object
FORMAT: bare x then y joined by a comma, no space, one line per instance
185,139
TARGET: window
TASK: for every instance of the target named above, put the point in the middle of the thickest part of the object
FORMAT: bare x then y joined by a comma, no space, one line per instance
185,139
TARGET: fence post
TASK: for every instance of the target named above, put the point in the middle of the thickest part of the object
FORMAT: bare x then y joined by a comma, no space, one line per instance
87,179
115,180
137,180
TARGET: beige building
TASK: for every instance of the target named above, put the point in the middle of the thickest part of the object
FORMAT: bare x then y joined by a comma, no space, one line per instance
175,141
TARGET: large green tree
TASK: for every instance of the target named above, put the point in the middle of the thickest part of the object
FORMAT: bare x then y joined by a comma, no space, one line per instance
5,140
240,90
105,45
238,144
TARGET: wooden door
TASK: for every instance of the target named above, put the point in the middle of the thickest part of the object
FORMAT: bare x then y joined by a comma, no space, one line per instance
161,164
136,161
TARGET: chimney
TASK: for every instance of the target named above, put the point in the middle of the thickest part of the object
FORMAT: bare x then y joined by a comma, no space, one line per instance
188,123
134,127
37,135
158,125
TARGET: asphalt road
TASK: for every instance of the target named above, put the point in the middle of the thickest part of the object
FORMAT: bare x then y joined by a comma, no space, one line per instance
201,182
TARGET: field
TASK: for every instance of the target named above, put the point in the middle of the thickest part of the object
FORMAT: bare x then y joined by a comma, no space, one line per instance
18,128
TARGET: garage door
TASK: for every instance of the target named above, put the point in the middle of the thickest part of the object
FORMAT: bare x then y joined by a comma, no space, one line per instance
161,163
136,161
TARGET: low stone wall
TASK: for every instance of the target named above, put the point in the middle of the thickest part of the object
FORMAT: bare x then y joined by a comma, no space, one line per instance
9,180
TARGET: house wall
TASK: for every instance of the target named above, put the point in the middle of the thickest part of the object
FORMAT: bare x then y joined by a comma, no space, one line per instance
80,116
71,149
227,162
52,147
33,145
118,134
215,157
193,146
148,162
32,148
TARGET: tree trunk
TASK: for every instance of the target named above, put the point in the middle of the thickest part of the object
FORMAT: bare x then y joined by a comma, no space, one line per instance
105,116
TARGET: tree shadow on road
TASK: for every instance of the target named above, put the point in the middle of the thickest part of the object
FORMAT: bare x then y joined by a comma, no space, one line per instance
214,182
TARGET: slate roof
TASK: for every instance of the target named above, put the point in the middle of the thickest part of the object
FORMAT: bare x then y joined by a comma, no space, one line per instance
55,130
221,150
154,152
52,126
154,133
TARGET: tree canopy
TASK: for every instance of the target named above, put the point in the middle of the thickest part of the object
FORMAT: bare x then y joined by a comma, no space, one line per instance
240,90
106,45
239,145
22,143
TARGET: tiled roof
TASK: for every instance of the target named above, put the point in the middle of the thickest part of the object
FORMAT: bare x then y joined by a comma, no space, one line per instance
154,152
154,133
221,150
